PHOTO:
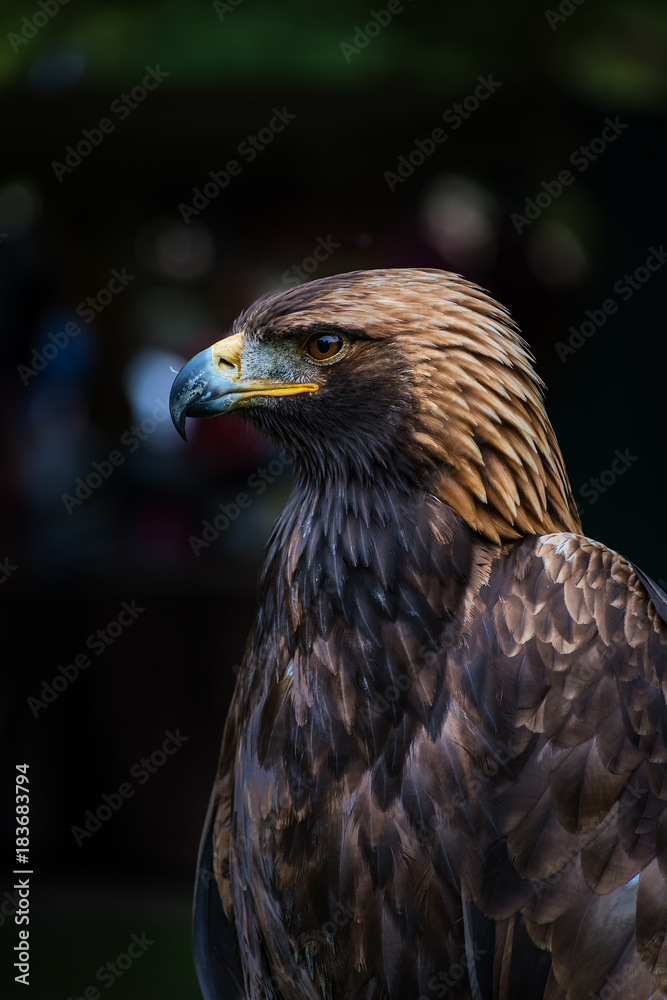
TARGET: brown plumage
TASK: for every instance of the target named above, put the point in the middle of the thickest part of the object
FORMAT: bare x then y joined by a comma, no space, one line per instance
443,770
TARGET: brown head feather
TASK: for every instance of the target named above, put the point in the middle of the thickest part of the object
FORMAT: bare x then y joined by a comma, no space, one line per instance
479,421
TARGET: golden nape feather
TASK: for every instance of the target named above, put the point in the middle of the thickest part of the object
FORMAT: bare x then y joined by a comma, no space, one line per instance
444,768
481,416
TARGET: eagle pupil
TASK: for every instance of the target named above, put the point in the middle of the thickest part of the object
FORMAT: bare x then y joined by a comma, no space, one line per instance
323,346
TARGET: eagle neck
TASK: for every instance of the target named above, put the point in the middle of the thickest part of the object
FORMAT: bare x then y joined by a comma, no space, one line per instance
343,553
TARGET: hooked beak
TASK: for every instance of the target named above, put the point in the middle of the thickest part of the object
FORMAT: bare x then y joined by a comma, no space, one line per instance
210,383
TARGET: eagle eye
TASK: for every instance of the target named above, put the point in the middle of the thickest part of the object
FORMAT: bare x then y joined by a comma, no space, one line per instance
324,346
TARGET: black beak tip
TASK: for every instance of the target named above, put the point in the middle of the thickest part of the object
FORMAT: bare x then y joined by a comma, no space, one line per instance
178,419
199,390
176,409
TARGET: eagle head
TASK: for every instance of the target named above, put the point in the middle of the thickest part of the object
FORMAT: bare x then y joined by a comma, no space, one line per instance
413,376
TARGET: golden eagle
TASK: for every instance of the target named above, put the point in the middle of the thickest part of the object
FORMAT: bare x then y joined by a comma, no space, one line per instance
443,770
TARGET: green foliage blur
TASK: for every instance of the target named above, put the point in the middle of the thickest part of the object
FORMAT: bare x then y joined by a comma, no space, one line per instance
606,52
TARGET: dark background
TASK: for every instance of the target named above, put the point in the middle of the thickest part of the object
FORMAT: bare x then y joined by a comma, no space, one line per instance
67,572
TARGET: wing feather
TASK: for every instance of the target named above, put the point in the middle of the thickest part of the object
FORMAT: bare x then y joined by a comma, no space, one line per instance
578,655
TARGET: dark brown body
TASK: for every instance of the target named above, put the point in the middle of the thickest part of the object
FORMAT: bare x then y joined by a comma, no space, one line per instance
444,768
431,763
